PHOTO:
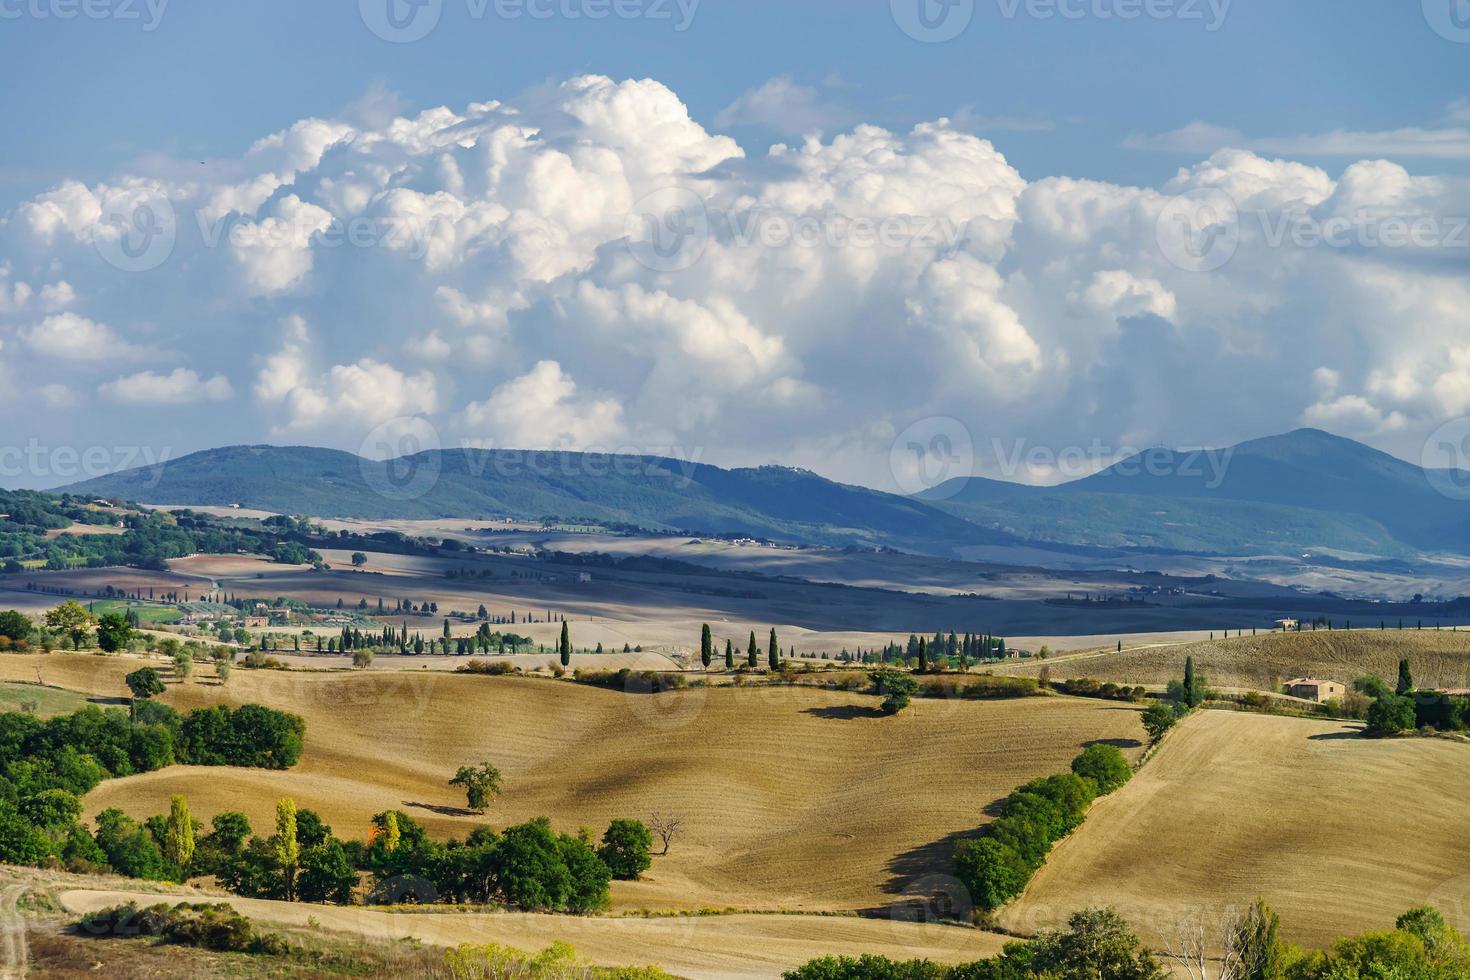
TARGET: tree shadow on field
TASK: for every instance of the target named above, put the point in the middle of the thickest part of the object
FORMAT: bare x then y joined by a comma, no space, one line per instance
920,874
1338,737
844,712
1117,743
443,811
109,701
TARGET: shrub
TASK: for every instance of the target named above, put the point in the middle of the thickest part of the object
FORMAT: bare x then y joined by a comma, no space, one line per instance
1390,715
212,926
493,668
1158,719
626,849
1104,766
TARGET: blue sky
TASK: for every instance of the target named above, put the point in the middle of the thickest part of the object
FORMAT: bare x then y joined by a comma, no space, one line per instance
95,94
1052,183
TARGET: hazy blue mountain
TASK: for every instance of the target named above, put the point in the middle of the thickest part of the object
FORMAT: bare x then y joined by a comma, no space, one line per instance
1303,489
645,491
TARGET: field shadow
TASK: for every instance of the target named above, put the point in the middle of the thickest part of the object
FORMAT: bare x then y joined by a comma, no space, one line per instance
921,874
443,811
109,702
1337,737
844,712
1117,743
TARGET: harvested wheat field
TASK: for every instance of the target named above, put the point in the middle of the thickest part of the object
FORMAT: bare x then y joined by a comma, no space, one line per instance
1438,658
792,798
1340,833
724,946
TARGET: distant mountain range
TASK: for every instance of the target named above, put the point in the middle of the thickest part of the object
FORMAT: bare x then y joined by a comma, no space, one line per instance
1303,490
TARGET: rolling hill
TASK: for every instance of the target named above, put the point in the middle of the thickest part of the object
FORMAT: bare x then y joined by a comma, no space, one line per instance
1301,491
644,491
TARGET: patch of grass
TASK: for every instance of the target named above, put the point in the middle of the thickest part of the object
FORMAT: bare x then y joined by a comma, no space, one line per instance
43,702
146,612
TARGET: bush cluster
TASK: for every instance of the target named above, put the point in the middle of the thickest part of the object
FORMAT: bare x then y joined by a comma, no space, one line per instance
997,865
213,926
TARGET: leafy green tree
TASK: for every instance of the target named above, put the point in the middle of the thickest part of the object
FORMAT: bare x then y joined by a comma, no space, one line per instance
991,870
1158,719
1406,679
1096,943
286,847
895,687
72,620
1194,688
1391,714
15,626
358,559
178,839
114,632
481,784
1254,946
326,874
131,850
627,847
1104,766
21,842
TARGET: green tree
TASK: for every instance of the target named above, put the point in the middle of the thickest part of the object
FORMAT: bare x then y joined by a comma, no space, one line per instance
729,654
326,874
1158,719
752,652
565,646
114,632
923,655
774,653
178,839
358,559
1104,766
706,646
1406,679
286,848
1096,943
895,687
1194,686
1254,946
1391,714
627,848
72,620
481,784
15,626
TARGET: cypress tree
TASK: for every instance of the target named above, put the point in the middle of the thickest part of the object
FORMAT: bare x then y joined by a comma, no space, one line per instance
774,653
1192,693
923,655
706,646
752,652
729,655
566,644
1406,679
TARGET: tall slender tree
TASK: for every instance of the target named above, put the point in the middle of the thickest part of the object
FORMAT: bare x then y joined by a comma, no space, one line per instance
287,848
774,653
1406,679
565,646
923,655
706,646
729,654
752,652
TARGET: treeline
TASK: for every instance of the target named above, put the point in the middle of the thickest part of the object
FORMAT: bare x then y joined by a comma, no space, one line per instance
149,540
1098,944
529,866
1404,707
46,767
997,865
